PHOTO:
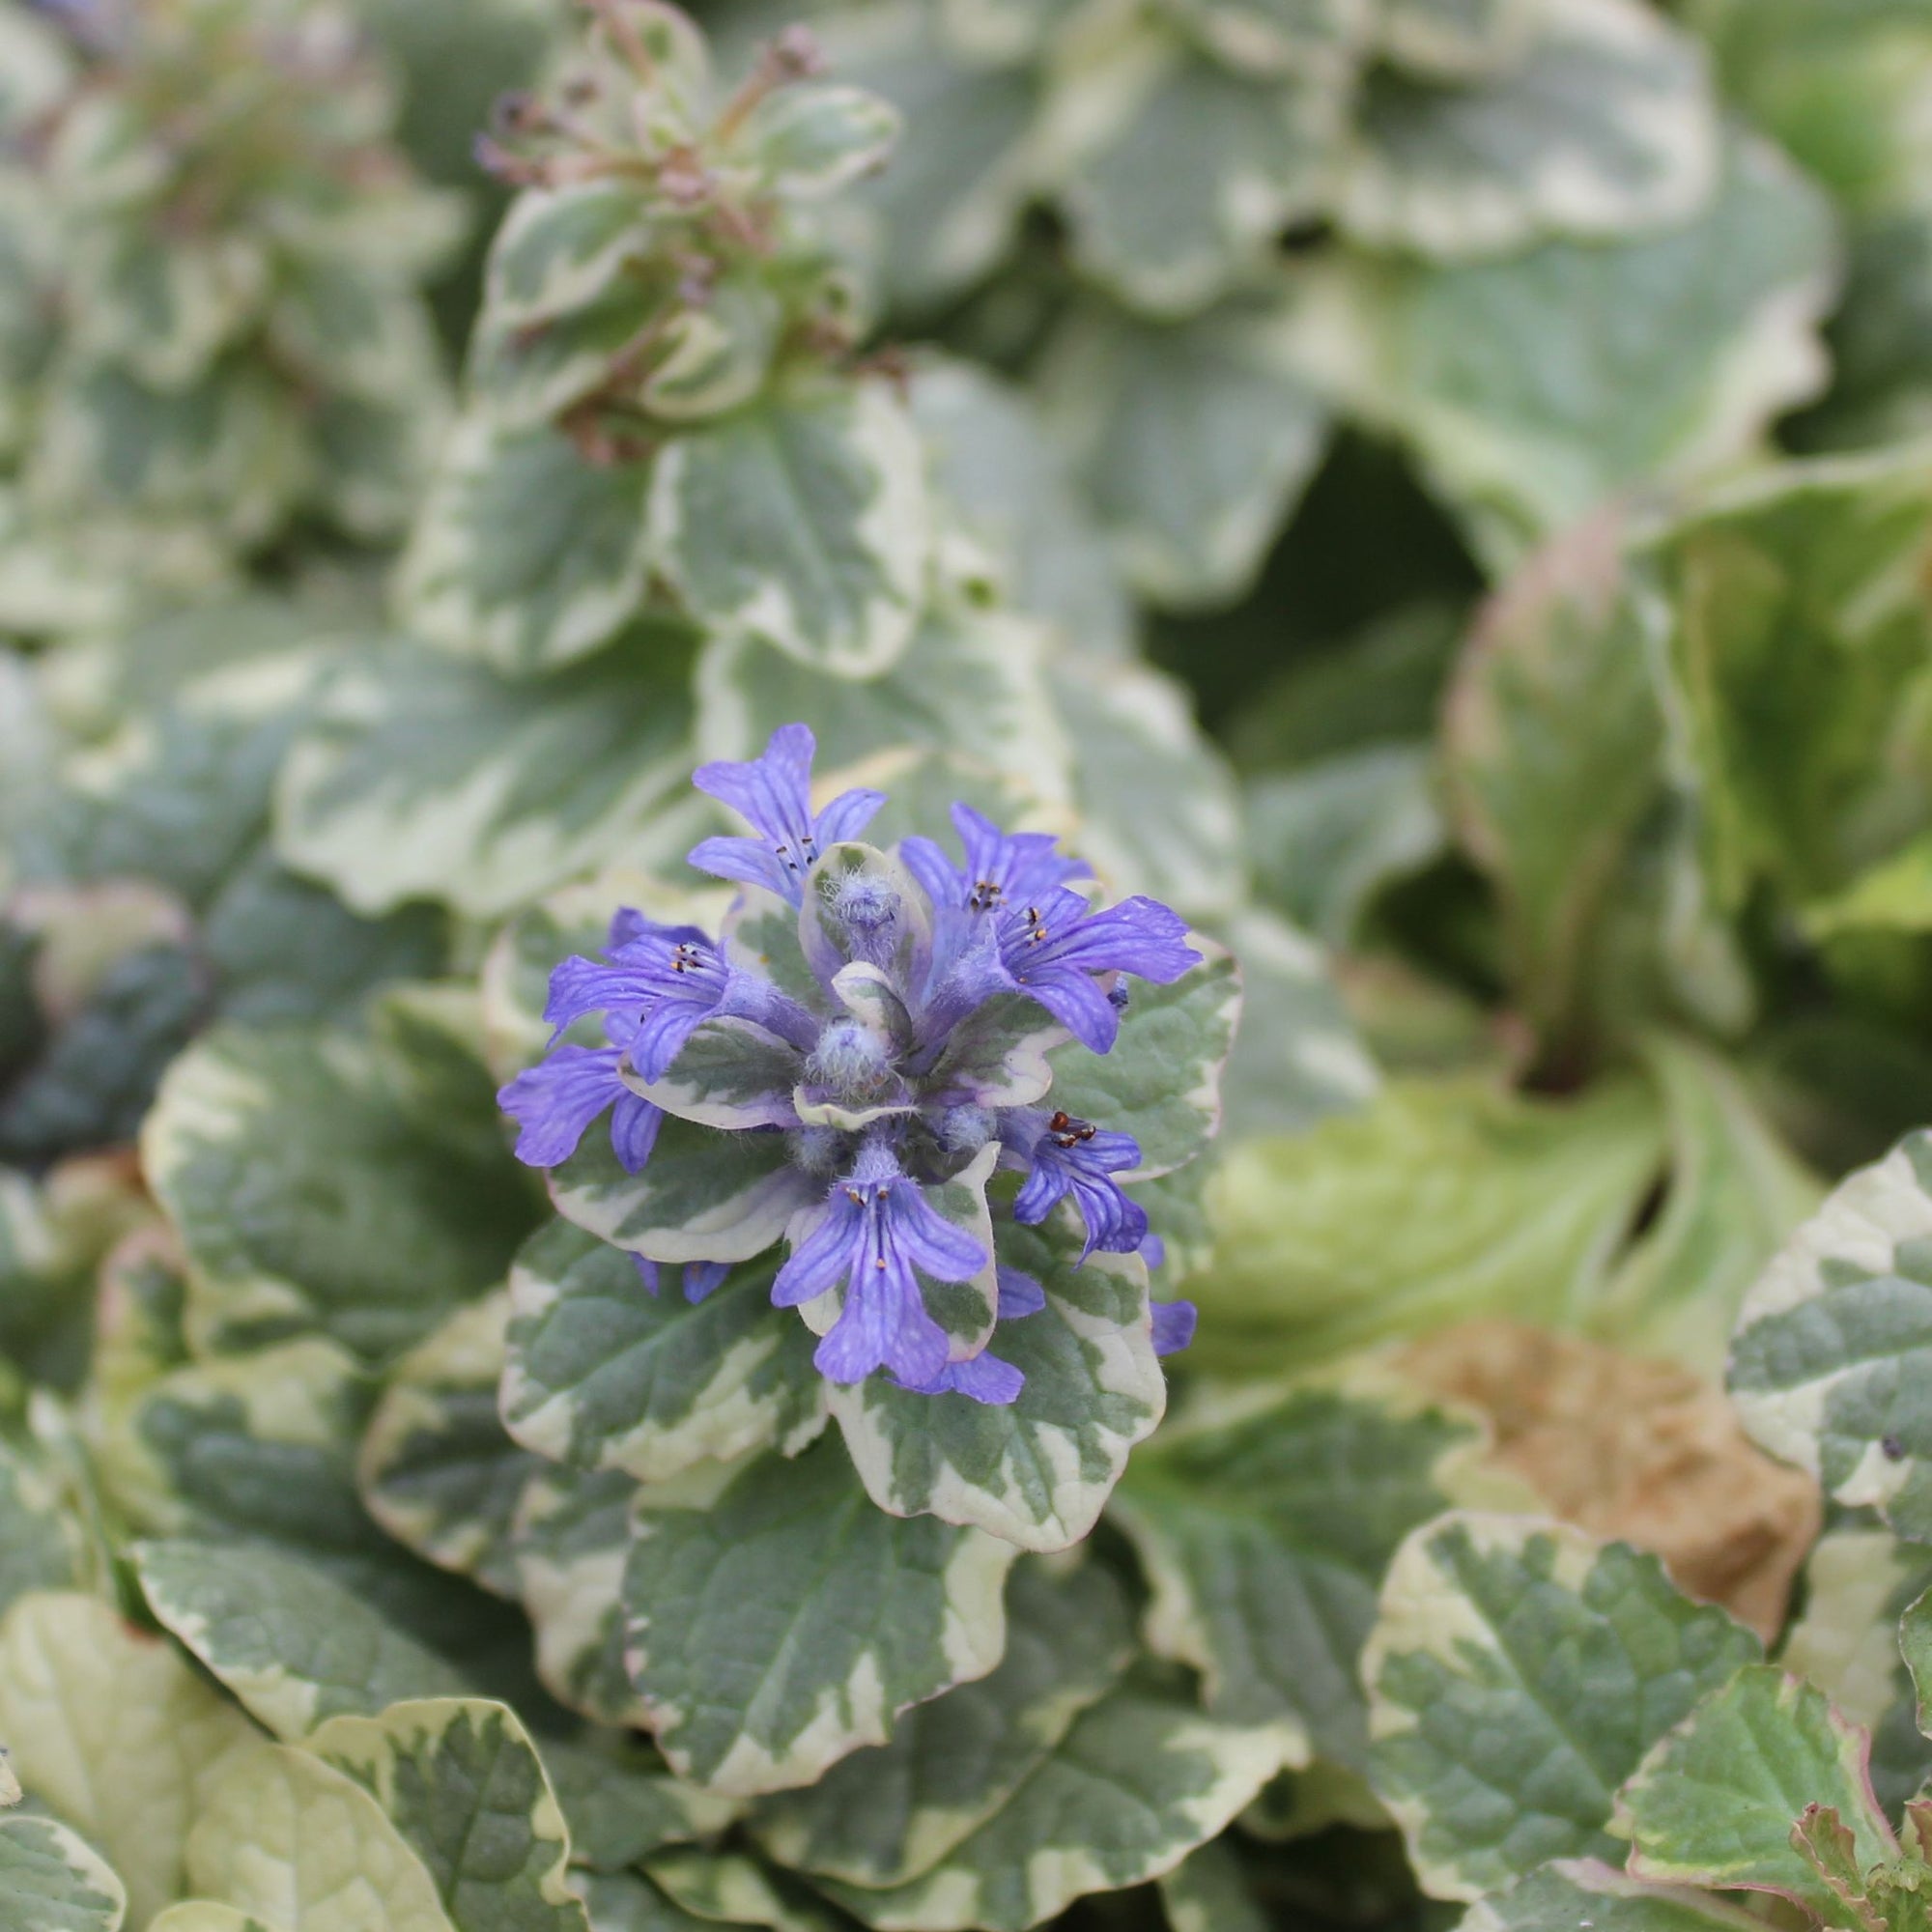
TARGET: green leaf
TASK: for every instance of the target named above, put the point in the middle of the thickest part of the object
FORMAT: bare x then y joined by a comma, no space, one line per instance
1857,1582
1456,38
1194,440
730,1073
949,206
1516,1674
460,1779
290,1641
284,1837
623,1902
203,1915
1265,1528
1587,1891
1604,126
1299,1059
803,523
1566,657
1799,639
437,1469
111,1730
994,467
572,1540
1156,804
42,1544
705,1196
1444,1199
1174,172
1829,1361
1161,1083
1526,417
1036,1471
163,307
51,1880
526,555
886,1816
728,1889
1208,1891
424,776
811,140
256,1143
622,1805
559,248
1139,1781
1716,1801
604,1375
971,682
1735,1191
788,1622
1280,36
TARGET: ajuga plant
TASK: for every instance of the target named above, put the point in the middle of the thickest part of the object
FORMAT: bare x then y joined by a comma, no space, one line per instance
215,328
584,1352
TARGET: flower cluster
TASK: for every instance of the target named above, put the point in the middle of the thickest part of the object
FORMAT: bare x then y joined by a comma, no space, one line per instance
886,1021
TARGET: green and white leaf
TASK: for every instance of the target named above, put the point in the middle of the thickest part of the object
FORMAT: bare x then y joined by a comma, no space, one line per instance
53,1881
1516,1674
1175,172
1829,1358
1194,440
257,1140
971,682
1265,1525
729,1889
425,777
1162,1080
1209,1891
886,1816
437,1469
44,1542
801,522
1036,1471
1139,1781
1604,126
525,554
290,1641
786,1623
603,1376
622,1805
461,1779
1588,1892
811,141
112,1731
703,1197
1526,419
293,1842
1452,40
1716,1801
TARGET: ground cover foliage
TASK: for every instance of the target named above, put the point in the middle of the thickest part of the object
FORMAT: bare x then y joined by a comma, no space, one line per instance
965,963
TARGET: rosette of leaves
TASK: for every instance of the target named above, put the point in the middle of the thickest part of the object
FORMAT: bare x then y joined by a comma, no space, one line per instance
218,330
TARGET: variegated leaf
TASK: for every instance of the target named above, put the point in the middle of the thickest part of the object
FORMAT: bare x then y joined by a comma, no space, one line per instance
801,522
51,1880
1588,1892
604,1376
1716,1801
1516,1674
1139,1781
294,1646
1827,1364
1035,1473
621,1801
886,1816
1454,40
1266,1524
786,1623
112,1730
437,1469
461,1779
526,553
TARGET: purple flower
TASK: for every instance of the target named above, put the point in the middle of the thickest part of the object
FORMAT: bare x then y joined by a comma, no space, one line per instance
1056,947
669,979
772,795
699,1278
1073,1156
554,1102
1001,869
875,1235
1174,1324
984,1378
